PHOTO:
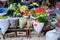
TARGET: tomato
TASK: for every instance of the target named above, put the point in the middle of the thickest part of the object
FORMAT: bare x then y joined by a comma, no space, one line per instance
38,10
27,13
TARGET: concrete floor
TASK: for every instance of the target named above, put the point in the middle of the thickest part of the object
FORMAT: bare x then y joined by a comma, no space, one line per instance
24,38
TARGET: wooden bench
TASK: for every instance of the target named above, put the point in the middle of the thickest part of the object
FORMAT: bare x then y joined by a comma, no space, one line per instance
18,32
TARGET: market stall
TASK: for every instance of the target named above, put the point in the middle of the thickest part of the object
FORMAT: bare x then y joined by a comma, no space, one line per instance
21,20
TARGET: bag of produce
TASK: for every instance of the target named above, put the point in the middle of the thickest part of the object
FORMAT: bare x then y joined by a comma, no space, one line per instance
29,23
23,8
14,22
4,24
52,35
22,22
38,27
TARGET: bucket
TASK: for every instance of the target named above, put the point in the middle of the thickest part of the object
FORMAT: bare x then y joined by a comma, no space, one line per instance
4,24
14,22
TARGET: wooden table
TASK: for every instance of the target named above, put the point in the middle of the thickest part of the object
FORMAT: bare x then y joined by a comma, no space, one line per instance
28,31
18,31
44,30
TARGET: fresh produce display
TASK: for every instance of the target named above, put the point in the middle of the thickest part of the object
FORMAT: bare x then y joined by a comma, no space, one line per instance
43,14
13,10
26,13
10,12
38,10
13,6
16,14
37,13
23,8
3,17
33,13
43,18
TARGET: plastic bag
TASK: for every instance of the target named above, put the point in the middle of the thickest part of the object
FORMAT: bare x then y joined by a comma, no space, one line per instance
4,24
29,23
22,22
38,27
14,22
52,35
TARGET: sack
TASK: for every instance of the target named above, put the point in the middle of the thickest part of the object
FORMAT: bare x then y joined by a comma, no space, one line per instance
29,23
22,22
38,27
14,22
52,35
4,24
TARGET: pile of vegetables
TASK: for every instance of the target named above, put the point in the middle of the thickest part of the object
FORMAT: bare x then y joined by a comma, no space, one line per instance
41,16
23,8
27,13
13,6
38,10
16,14
33,13
3,17
13,10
